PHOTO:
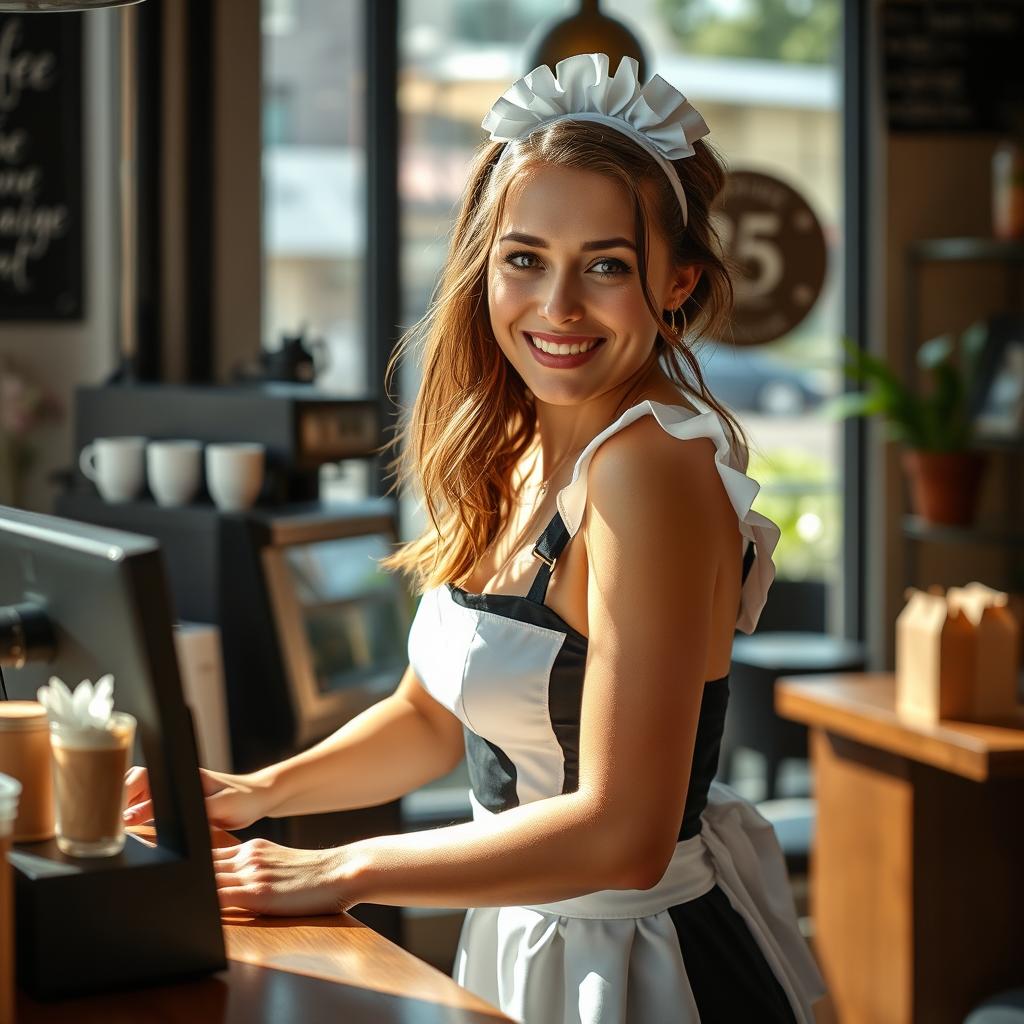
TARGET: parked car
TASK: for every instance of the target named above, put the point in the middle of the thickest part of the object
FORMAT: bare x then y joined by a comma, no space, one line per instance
748,380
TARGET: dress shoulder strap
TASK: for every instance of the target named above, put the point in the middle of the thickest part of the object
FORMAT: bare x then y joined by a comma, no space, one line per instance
762,535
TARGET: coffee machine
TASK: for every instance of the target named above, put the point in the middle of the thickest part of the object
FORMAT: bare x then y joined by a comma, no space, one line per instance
312,631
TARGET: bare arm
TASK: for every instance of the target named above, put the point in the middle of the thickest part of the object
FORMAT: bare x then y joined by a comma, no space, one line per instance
392,748
656,529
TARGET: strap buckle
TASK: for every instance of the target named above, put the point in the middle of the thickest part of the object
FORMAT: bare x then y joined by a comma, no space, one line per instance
549,562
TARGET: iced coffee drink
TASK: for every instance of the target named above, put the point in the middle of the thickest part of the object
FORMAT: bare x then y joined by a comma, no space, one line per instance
89,766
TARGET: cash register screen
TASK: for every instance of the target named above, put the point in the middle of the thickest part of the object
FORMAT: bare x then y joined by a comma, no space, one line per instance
353,613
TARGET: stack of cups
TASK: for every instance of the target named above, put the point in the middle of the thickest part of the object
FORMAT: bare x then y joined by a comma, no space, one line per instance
10,790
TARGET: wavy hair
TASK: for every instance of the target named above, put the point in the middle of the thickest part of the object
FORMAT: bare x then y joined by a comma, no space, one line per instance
473,418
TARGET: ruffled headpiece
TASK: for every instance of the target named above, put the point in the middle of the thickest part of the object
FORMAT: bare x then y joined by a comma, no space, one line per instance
657,116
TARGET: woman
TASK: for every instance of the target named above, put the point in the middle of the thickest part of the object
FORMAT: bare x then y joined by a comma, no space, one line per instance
609,879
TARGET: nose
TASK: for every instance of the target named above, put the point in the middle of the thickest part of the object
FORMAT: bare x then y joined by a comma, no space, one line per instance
560,303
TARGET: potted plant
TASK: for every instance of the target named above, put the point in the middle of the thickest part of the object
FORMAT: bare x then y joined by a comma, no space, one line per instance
934,426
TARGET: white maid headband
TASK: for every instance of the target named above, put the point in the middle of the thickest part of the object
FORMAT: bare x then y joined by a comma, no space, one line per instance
658,117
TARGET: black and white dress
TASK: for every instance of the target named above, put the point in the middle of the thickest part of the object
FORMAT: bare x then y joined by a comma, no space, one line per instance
716,940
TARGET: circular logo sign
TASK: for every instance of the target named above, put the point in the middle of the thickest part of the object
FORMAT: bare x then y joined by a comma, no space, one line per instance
776,249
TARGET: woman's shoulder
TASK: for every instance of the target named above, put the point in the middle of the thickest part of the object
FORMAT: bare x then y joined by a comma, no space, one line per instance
646,468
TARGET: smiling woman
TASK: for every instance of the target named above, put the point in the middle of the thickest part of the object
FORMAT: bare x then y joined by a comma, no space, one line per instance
570,291
530,255
608,878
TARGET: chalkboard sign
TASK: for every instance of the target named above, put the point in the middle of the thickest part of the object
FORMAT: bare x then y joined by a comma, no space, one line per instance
953,66
40,167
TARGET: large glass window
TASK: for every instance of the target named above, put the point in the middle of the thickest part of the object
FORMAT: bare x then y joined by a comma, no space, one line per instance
765,74
314,182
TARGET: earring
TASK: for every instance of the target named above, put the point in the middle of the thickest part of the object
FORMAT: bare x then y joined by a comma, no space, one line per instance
672,314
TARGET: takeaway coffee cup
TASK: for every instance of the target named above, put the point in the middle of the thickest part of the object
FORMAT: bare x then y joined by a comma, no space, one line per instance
25,756
89,767
116,465
173,469
234,474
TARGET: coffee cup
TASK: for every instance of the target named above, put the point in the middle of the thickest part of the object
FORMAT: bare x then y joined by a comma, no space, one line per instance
234,474
173,469
116,465
89,767
25,756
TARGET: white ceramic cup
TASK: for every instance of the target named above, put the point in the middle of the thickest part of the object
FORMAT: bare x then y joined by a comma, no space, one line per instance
234,474
116,465
173,469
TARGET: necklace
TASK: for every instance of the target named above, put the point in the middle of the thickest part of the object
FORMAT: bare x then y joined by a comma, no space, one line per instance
542,487
541,491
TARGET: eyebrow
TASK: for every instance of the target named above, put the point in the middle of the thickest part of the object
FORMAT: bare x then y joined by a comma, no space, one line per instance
540,243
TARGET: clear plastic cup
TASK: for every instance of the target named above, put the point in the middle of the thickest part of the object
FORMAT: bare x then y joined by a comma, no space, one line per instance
89,767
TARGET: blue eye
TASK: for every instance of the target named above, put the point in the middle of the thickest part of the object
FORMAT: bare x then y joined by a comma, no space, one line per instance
621,268
513,256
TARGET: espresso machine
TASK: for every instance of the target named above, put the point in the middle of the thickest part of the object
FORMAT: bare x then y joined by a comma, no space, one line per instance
312,631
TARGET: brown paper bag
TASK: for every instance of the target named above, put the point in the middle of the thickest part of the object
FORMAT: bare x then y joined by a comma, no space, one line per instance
934,658
996,649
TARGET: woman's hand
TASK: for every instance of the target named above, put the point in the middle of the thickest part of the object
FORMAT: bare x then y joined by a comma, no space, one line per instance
232,801
264,878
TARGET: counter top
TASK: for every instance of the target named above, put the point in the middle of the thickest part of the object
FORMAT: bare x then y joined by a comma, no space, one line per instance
862,706
286,971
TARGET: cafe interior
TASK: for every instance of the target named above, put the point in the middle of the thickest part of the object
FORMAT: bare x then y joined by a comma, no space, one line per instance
218,218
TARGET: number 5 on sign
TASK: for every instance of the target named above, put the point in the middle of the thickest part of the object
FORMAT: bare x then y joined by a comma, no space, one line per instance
776,246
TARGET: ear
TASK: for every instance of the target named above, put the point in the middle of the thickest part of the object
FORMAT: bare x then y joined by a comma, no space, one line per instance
684,280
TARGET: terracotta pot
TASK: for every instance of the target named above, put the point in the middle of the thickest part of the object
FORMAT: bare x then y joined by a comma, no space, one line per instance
944,485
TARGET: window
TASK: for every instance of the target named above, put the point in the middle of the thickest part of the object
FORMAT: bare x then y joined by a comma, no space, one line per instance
314,182
765,75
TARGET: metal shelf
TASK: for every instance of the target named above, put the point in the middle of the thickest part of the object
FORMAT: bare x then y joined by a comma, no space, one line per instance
917,528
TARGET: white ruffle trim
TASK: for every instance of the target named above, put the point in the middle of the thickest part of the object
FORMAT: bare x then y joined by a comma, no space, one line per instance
684,423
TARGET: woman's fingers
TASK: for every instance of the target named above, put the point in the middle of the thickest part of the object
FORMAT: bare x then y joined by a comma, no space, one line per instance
136,784
138,813
236,897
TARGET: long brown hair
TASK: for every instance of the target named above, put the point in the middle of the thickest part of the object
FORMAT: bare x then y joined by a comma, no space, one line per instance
473,418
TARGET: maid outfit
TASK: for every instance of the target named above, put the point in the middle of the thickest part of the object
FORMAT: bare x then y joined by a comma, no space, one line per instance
716,940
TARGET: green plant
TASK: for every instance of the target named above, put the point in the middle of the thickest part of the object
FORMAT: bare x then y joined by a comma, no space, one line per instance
799,494
937,420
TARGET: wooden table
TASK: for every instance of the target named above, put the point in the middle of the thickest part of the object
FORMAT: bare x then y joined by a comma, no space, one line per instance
917,868
286,971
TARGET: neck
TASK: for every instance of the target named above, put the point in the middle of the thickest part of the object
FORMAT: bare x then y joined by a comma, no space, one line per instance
564,430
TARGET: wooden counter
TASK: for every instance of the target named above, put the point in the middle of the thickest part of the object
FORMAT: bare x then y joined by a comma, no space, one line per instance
287,971
917,867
